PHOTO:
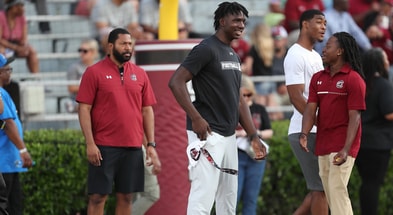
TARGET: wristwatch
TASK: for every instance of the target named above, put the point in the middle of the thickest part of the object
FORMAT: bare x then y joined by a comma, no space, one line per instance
152,144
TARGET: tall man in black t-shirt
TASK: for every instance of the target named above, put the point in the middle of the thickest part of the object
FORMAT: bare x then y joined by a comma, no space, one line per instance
214,69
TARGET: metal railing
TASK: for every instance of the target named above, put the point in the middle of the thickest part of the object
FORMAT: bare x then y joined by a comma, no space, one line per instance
54,87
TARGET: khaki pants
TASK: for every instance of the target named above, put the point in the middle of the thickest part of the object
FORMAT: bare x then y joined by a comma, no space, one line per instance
335,181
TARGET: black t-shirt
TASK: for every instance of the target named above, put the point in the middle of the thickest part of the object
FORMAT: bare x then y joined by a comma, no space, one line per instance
377,132
216,82
258,66
260,117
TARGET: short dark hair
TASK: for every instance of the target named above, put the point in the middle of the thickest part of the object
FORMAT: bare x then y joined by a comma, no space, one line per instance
226,8
114,34
308,15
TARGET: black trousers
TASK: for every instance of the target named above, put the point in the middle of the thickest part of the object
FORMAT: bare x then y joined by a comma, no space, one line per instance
14,193
3,196
372,166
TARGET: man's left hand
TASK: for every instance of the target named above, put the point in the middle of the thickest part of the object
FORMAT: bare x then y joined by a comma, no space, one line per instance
153,159
259,148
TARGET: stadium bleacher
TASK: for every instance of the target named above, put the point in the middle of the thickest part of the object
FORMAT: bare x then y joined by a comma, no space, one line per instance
58,49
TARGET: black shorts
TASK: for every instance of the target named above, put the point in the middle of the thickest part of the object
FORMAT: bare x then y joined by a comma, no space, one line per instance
120,166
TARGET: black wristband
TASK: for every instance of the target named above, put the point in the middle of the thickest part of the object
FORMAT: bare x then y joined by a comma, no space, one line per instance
152,144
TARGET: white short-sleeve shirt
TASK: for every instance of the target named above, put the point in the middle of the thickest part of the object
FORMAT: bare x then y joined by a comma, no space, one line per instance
300,64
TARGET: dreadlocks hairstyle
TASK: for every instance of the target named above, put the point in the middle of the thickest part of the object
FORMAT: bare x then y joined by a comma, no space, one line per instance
226,8
373,63
351,51
308,15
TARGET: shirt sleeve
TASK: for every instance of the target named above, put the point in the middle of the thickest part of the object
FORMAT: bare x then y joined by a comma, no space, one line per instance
87,88
294,69
199,56
312,94
356,92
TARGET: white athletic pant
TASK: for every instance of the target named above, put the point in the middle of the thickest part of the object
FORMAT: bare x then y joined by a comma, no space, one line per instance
208,183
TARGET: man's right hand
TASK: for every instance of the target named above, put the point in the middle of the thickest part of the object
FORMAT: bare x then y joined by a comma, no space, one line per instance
201,128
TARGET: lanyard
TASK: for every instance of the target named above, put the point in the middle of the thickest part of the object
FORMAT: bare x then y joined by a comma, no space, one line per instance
211,160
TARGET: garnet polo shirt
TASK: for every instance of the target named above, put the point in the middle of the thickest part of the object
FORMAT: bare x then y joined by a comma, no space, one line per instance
116,113
335,96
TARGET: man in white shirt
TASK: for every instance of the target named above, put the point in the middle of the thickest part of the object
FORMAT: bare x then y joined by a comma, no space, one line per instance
301,62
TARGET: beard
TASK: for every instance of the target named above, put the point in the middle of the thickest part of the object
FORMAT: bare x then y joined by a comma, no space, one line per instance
120,57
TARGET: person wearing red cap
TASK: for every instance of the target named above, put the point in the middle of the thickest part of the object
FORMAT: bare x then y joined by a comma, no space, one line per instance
12,148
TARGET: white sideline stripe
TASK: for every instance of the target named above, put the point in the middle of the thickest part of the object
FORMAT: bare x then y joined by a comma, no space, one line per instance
62,1
159,67
173,46
49,83
57,36
58,55
55,18
52,117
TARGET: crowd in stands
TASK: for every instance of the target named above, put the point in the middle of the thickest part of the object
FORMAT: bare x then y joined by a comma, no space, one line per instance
369,21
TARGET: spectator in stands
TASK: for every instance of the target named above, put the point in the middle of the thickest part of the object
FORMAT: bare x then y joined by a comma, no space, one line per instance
109,14
280,37
377,125
340,20
359,9
293,10
183,31
241,47
149,16
275,16
41,9
82,7
13,34
378,34
260,62
89,53
251,171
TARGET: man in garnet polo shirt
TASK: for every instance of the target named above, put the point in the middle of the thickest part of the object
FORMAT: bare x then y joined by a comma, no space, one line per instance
336,99
115,112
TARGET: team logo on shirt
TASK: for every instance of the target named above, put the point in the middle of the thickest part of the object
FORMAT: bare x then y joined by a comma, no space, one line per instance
340,84
319,82
133,77
108,76
228,65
